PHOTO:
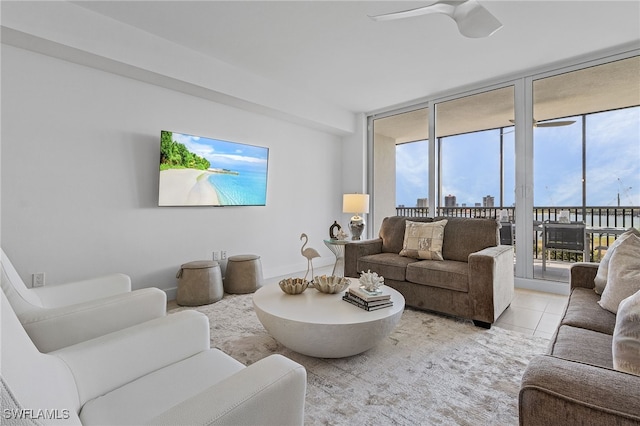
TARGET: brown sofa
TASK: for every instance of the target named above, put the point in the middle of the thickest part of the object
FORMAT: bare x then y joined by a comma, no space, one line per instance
474,281
575,383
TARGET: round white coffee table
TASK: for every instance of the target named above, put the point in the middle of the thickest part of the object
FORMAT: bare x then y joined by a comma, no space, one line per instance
323,325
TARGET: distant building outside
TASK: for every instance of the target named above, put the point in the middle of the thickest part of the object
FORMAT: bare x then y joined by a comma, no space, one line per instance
488,201
450,201
422,202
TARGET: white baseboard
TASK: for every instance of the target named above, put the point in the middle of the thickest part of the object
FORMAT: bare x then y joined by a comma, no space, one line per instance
543,285
171,293
298,269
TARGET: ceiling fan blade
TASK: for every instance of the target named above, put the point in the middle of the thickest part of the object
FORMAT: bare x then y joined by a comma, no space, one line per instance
556,123
550,123
474,20
446,8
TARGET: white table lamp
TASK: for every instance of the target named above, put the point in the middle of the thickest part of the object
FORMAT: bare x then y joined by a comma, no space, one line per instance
357,204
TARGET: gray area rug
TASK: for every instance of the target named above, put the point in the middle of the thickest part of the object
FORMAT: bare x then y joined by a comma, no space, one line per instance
432,370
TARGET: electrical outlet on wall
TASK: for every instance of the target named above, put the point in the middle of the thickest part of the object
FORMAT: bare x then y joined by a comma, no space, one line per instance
37,279
223,254
216,255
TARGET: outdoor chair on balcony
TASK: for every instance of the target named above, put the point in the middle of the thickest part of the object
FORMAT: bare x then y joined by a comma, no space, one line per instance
569,237
507,234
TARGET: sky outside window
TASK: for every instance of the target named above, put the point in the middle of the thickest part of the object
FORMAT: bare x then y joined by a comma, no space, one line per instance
471,167
613,157
557,165
412,172
471,164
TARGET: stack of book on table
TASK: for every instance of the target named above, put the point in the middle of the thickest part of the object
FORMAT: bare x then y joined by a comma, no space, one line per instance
365,300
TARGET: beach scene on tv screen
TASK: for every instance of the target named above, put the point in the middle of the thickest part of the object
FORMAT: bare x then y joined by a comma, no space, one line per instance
198,171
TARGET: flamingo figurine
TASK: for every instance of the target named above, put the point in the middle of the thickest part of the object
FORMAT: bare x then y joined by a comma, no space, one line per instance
309,253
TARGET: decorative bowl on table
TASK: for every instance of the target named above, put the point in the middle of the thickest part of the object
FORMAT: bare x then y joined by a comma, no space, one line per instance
293,285
331,284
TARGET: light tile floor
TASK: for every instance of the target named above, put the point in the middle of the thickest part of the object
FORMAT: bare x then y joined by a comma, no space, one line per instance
533,313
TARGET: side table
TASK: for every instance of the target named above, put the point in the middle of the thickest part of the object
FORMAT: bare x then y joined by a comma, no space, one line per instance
337,248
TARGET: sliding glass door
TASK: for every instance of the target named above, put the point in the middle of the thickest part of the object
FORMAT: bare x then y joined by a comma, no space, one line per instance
586,150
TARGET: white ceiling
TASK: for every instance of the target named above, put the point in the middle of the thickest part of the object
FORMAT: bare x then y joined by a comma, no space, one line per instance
331,50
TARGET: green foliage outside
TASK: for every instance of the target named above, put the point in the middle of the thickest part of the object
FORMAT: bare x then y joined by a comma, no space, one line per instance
174,155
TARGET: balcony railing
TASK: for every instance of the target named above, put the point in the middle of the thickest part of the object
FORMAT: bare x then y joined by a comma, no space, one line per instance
603,224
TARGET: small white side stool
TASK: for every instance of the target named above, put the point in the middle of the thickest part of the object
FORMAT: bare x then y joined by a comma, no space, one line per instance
243,275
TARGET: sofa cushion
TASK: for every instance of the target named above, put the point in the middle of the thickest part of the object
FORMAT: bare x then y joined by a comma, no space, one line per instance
583,311
463,236
603,268
623,277
626,336
392,232
423,240
582,345
140,400
388,265
448,274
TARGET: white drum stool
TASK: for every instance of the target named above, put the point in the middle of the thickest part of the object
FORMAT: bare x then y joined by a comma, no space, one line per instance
243,275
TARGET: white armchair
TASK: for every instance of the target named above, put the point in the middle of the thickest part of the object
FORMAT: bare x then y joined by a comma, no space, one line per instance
158,372
61,315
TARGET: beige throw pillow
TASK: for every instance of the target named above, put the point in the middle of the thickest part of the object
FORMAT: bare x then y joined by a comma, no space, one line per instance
423,240
623,277
603,267
626,336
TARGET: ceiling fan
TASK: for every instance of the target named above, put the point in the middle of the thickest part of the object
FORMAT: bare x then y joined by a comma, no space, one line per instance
550,123
559,123
472,18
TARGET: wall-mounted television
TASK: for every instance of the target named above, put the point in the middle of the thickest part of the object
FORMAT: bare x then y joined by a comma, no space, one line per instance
199,171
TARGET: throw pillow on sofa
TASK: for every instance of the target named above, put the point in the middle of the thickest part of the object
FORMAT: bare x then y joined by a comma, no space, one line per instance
601,276
423,240
623,276
626,336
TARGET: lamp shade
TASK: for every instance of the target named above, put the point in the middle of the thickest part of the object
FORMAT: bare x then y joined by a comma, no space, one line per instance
355,203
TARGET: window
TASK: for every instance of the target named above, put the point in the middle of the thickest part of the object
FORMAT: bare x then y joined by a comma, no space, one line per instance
400,164
412,174
586,156
476,153
582,155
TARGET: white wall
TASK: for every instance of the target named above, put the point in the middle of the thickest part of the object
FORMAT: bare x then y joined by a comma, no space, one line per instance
68,31
79,174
